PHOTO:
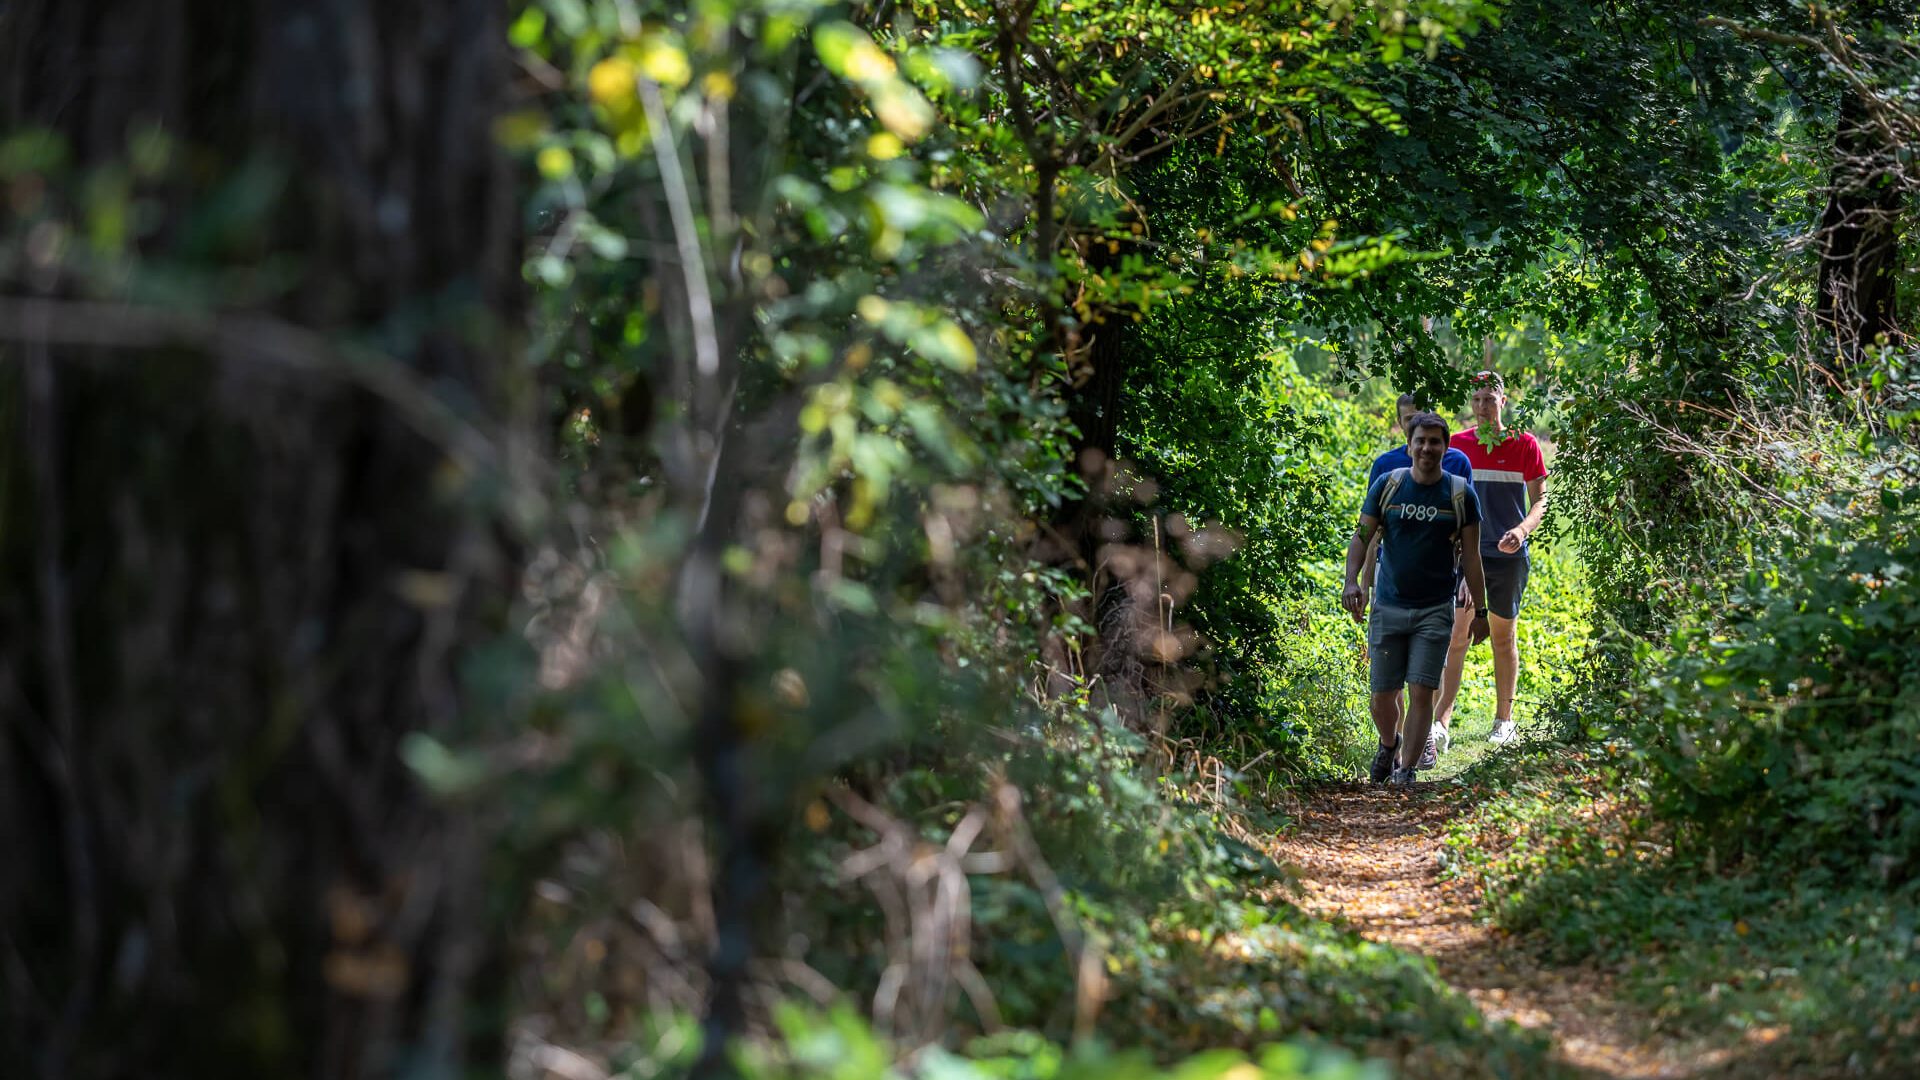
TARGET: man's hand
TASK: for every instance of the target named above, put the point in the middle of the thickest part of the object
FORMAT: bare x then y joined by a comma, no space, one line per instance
1354,601
1482,630
1511,541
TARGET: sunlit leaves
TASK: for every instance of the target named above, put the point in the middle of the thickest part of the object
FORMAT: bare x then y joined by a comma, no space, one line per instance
662,57
555,162
611,81
849,52
921,329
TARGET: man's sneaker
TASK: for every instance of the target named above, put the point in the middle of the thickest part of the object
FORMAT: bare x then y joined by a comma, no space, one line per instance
1503,733
1402,777
1383,761
1442,738
1430,756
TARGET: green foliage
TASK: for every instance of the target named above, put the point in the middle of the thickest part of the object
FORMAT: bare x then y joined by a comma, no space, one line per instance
1569,851
1312,694
1555,632
1782,725
840,1045
959,248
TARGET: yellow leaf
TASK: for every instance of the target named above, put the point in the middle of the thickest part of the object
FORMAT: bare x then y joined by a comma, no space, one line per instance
884,146
610,82
949,344
664,61
555,163
867,62
901,108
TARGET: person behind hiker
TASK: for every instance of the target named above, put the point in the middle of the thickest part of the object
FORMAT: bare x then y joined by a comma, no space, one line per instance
1421,514
1510,476
1454,463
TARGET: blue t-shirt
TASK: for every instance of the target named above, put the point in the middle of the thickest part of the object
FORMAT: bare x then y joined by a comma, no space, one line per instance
1416,541
1453,461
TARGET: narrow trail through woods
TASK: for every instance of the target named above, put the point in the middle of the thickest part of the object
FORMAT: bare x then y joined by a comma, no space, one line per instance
1369,857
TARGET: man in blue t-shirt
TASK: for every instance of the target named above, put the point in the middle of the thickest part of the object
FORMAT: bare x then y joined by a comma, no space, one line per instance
1424,516
1453,462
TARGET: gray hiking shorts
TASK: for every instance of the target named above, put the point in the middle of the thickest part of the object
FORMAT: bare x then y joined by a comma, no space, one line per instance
1408,645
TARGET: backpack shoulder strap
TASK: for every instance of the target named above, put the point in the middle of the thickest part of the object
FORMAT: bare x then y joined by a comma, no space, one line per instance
1457,487
1394,480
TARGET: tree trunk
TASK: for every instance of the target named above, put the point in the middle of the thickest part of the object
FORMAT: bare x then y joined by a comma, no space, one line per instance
238,572
1860,234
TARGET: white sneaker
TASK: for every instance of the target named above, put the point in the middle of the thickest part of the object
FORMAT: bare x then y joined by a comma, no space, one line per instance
1503,733
1441,739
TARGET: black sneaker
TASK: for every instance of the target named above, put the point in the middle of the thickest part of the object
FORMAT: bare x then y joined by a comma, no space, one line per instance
1402,777
1383,761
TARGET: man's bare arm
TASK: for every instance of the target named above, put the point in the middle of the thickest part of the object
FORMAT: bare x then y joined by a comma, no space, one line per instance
1476,579
1351,597
1536,510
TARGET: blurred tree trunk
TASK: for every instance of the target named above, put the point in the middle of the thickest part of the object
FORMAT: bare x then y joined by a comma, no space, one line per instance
235,576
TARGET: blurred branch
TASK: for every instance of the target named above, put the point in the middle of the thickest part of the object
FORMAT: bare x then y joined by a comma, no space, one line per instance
1089,971
693,264
257,339
924,895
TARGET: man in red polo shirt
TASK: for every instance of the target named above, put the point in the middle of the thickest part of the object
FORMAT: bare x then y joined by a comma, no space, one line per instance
1510,477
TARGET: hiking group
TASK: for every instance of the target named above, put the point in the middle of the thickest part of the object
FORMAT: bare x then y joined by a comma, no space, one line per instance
1452,514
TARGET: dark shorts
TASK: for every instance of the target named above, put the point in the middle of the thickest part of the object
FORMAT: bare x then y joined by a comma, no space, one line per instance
1506,584
1408,645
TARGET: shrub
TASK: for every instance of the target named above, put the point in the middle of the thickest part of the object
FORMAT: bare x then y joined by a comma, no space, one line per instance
1784,723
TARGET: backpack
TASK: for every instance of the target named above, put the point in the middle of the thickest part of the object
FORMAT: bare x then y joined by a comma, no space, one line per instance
1456,487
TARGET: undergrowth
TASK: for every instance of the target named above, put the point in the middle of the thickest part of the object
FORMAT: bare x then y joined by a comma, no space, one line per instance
1817,970
1197,947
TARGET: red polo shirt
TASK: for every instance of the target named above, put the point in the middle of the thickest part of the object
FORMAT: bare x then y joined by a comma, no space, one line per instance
1500,477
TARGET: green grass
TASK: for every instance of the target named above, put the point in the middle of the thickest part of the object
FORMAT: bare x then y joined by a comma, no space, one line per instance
1553,629
1824,972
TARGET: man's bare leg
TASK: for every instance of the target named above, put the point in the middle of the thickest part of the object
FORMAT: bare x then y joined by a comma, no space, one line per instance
1456,665
1506,665
1386,714
1419,721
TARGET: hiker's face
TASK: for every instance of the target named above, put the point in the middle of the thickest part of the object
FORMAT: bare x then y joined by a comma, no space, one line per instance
1487,404
1407,413
1426,446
